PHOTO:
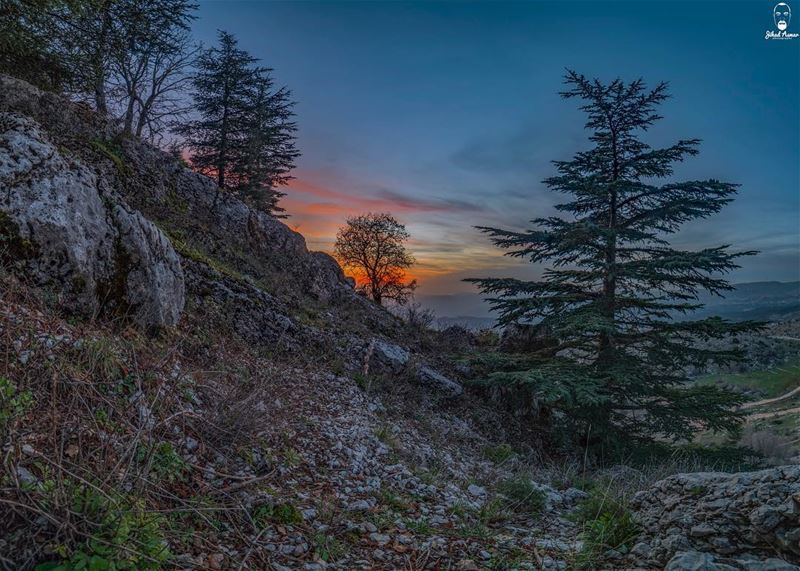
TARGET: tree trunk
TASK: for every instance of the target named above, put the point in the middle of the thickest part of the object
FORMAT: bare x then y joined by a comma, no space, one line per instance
606,348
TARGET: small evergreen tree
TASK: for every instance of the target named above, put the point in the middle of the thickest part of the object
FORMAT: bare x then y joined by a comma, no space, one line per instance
245,136
28,42
270,149
222,95
617,358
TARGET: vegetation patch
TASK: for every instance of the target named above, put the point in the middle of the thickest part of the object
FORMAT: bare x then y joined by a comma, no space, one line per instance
112,151
522,494
165,462
124,536
282,513
606,524
498,454
771,382
13,403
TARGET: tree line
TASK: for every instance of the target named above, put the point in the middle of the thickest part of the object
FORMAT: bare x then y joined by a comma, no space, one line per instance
136,63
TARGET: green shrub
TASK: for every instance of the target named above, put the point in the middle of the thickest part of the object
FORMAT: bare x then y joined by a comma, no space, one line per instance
498,454
522,494
493,511
284,513
606,523
328,548
165,462
392,500
419,526
124,536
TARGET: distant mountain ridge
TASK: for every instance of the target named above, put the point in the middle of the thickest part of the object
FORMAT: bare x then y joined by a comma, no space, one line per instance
761,301
764,301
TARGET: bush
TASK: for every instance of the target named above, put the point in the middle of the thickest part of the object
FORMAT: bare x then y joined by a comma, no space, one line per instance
523,495
606,523
418,318
165,462
285,514
498,454
766,443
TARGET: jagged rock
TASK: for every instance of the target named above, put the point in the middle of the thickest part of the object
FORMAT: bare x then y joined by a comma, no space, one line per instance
388,357
728,514
695,561
154,281
427,376
248,240
69,233
253,313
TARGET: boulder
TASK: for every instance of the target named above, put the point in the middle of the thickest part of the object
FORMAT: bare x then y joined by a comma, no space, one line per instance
66,231
429,377
152,272
730,515
387,358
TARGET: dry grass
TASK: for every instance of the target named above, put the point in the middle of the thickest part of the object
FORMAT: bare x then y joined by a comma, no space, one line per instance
93,463
776,448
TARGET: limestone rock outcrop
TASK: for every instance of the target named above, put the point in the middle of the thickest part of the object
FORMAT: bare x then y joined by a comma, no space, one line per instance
70,233
726,515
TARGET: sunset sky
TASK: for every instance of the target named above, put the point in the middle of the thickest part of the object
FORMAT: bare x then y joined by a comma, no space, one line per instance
447,115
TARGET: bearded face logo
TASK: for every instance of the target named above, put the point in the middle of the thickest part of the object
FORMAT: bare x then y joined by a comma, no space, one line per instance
783,15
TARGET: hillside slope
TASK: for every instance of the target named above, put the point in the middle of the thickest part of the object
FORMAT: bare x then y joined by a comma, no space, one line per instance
184,385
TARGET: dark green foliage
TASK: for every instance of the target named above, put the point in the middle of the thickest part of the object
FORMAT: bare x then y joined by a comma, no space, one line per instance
498,454
270,151
124,535
27,49
221,96
13,403
614,296
285,514
244,136
165,462
606,523
522,494
722,458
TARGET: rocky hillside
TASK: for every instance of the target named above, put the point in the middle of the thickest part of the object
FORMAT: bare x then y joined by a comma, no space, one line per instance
183,385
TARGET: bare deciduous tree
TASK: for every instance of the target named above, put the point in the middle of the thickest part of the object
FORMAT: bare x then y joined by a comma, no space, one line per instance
371,247
149,86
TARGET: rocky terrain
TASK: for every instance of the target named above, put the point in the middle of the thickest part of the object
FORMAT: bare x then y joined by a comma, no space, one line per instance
184,385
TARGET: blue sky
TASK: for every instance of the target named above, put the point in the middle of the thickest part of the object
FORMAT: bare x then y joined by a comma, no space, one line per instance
448,114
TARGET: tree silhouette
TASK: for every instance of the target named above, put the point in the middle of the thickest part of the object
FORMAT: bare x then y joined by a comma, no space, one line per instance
371,247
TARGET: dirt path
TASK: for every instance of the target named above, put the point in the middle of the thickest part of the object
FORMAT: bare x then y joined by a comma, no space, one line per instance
794,392
773,413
